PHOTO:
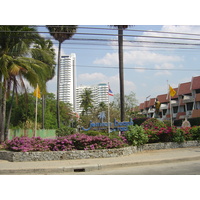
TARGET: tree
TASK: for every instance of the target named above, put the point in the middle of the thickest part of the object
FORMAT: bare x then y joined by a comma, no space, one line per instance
60,33
130,102
86,100
43,50
17,65
121,68
23,111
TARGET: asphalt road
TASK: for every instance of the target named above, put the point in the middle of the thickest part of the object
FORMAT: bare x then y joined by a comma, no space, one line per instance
178,168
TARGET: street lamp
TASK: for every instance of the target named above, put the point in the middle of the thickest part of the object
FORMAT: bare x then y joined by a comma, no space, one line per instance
146,104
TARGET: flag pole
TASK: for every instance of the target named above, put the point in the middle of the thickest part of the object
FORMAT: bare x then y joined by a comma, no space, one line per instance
170,105
36,102
108,112
170,110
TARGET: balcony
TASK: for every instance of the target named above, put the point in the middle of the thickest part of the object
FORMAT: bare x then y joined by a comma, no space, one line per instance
163,106
174,103
180,115
187,99
151,110
196,113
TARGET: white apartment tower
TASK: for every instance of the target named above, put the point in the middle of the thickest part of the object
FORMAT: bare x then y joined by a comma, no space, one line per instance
99,92
67,85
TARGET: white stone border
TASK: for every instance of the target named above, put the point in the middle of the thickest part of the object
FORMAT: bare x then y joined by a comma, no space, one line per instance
85,154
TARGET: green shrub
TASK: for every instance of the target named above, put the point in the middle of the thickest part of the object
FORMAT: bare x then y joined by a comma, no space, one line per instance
178,136
195,132
93,133
136,135
64,131
167,122
152,135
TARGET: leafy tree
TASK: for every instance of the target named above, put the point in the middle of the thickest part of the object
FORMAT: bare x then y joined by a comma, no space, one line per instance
17,65
24,111
60,33
43,50
130,102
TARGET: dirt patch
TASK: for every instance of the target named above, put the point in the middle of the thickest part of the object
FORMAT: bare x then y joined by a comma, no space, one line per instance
1,147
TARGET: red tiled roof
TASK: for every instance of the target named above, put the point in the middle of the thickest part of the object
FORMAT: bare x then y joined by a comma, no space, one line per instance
184,88
152,102
162,98
195,83
146,104
141,106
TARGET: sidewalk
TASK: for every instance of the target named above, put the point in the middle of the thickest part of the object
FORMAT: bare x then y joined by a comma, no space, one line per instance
81,165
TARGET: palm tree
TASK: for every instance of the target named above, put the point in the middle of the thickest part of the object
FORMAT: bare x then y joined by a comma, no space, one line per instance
121,68
60,33
86,100
43,50
15,42
102,116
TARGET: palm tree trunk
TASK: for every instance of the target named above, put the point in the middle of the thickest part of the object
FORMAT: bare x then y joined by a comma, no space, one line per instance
3,111
9,114
121,71
1,134
58,88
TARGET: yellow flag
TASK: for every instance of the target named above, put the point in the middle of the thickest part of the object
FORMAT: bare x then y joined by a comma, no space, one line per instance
172,92
37,92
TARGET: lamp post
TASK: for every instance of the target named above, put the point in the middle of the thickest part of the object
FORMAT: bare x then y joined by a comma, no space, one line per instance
146,104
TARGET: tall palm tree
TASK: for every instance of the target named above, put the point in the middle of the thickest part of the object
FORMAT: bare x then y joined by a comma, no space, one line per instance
86,100
43,50
16,64
60,33
121,68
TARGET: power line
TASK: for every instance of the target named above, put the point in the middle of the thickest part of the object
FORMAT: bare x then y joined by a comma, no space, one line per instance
138,68
134,30
109,34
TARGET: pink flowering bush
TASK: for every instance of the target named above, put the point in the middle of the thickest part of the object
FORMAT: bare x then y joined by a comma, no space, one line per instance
65,143
153,123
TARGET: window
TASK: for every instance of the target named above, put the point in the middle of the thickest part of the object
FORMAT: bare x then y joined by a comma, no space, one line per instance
189,106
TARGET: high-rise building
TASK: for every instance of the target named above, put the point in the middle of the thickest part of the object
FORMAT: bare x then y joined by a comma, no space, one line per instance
67,85
99,93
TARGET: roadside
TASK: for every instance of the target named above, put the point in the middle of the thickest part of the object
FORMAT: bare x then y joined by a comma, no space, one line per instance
84,165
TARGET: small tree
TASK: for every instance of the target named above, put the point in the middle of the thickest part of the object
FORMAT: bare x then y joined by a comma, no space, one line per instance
136,135
86,100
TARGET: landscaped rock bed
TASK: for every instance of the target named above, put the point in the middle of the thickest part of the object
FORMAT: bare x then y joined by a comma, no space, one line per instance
85,154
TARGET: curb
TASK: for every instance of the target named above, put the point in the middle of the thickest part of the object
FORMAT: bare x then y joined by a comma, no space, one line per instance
86,168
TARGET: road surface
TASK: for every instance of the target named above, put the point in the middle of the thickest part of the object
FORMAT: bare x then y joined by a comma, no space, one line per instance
178,168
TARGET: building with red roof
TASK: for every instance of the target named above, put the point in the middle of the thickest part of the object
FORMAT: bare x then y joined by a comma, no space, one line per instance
184,104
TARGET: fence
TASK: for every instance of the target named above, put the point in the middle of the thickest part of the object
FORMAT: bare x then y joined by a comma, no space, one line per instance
43,133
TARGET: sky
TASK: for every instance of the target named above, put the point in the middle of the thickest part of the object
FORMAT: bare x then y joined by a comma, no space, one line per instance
142,14
154,56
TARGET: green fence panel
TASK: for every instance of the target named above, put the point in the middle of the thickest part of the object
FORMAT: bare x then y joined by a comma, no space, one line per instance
43,133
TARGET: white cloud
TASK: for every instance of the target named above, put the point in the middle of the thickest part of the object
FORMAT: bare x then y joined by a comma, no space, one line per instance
164,69
87,77
138,58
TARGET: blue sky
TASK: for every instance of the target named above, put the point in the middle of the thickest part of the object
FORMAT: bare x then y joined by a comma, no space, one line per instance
154,63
